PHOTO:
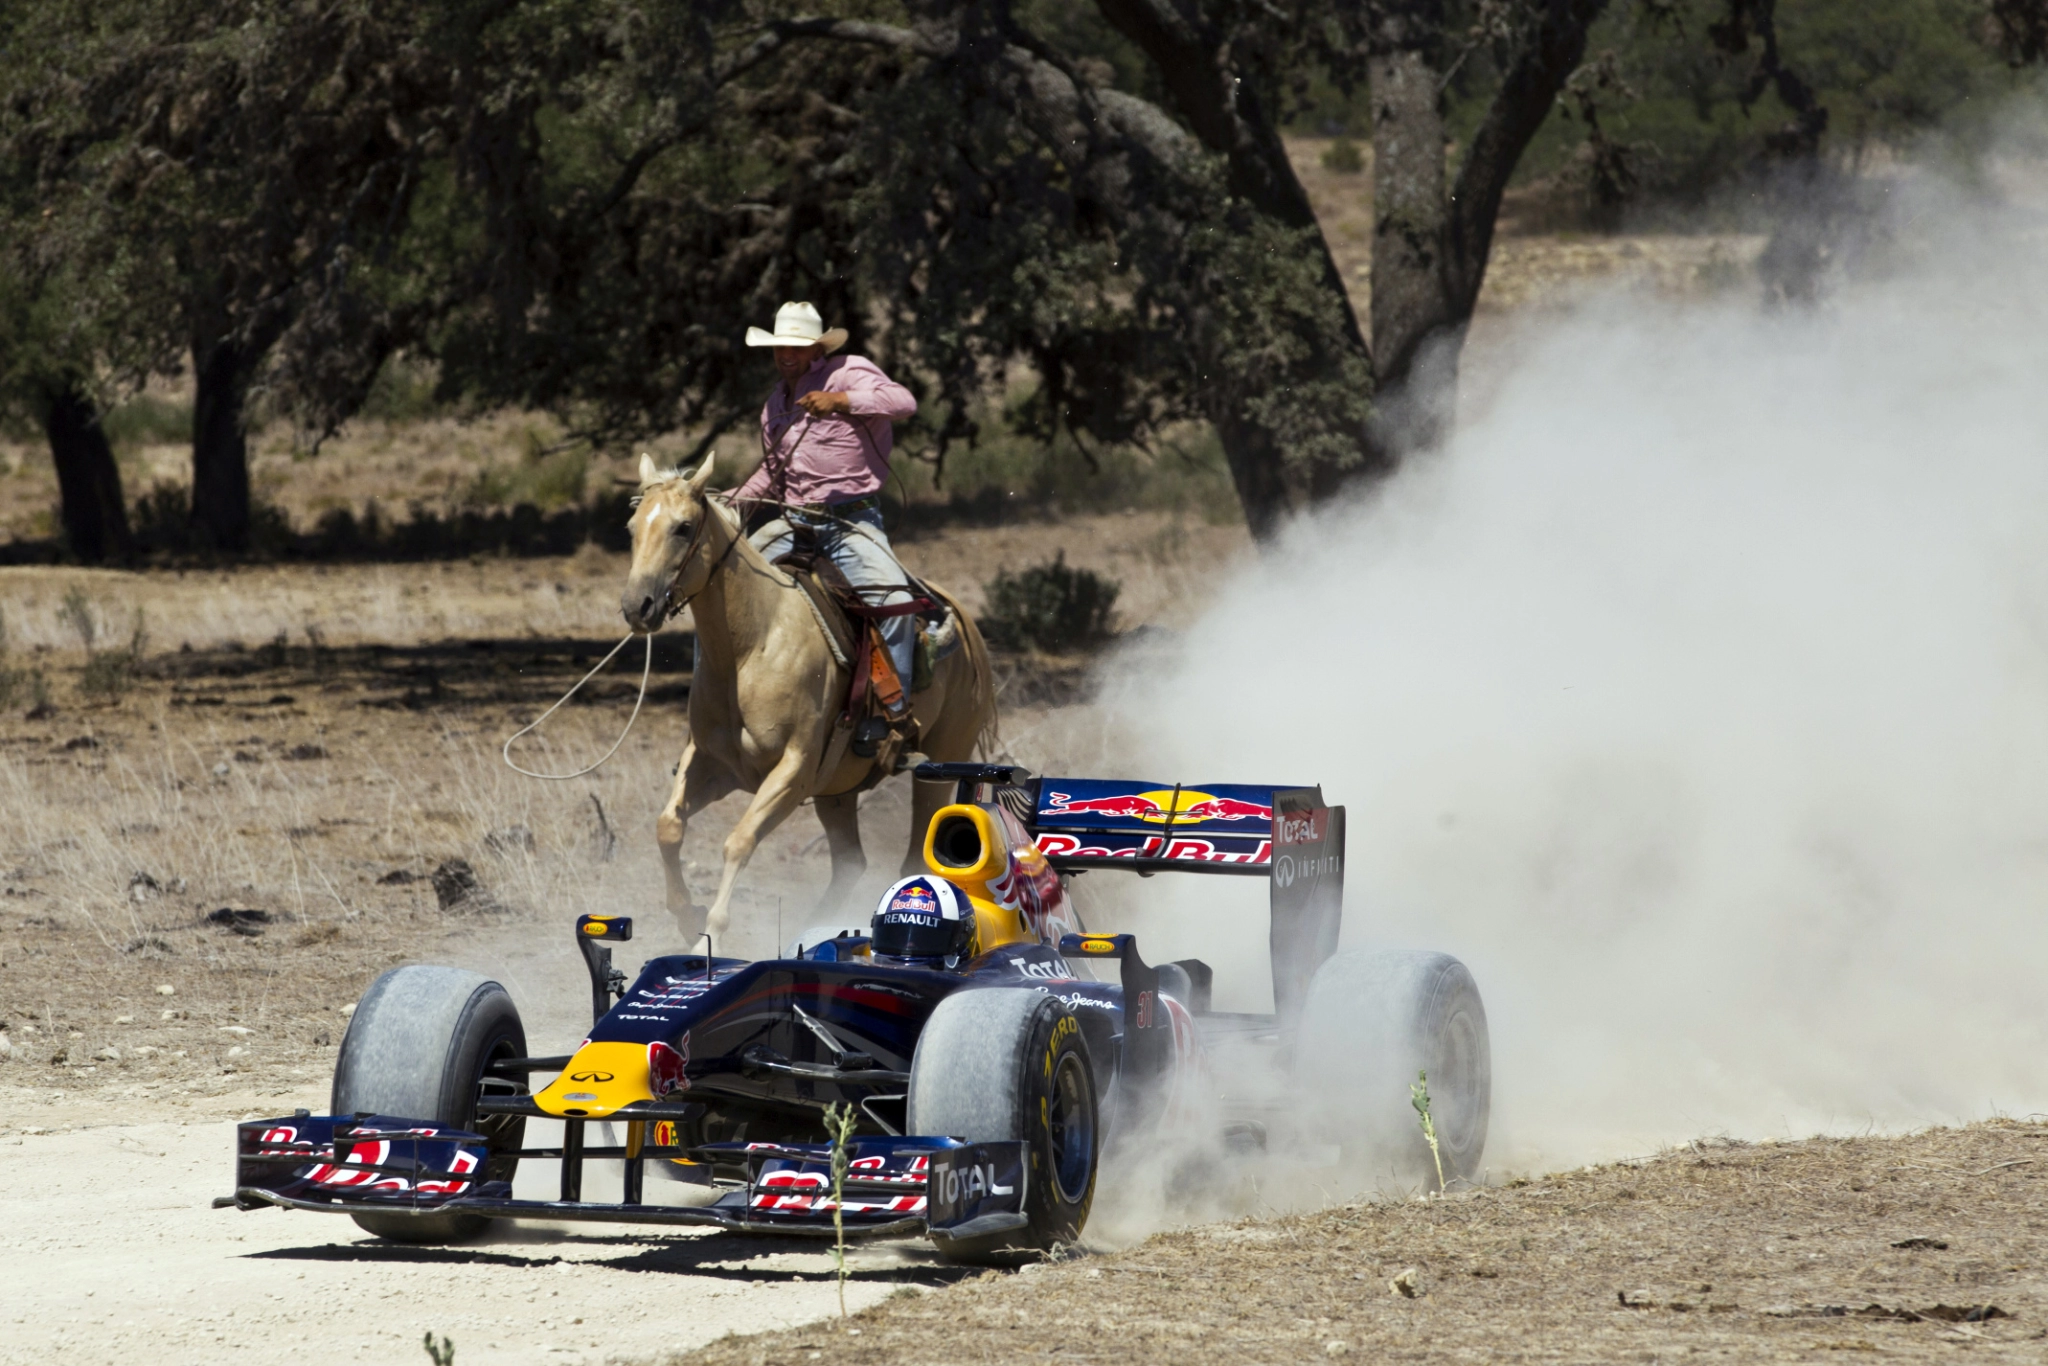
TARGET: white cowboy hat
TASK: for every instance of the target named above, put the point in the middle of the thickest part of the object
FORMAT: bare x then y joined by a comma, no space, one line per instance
798,325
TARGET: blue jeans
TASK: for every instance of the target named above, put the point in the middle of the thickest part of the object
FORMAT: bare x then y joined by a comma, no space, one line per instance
859,546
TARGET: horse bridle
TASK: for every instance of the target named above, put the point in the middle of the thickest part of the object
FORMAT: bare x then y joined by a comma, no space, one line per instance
669,605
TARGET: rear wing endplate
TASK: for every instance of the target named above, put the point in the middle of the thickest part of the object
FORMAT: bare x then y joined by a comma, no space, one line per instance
1286,834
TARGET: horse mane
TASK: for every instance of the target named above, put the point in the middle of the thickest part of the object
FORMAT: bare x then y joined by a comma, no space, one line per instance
662,479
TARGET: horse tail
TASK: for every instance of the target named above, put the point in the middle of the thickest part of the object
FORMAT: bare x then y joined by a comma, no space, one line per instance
988,740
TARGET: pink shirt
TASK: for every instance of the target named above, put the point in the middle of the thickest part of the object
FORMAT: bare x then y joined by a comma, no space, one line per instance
833,458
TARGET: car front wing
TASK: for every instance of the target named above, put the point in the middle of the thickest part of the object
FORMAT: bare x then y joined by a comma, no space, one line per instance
891,1186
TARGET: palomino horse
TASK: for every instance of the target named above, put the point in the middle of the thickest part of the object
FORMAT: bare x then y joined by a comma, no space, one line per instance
766,691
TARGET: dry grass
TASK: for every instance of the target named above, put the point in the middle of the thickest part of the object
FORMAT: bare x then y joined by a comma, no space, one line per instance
312,742
1167,565
1784,1252
310,790
338,605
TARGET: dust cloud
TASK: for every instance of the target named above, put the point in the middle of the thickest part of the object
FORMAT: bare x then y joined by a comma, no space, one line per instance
1696,696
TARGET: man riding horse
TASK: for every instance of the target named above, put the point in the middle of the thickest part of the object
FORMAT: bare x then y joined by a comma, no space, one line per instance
773,684
826,434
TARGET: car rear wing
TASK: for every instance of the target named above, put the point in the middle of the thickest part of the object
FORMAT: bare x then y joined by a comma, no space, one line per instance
1285,834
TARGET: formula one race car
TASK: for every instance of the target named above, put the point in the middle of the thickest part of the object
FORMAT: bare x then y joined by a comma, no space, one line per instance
986,1064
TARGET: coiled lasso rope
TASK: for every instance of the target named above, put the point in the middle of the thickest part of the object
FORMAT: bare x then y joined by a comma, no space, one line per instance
646,669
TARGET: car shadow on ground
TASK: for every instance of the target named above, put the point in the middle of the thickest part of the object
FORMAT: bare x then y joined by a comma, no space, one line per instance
714,1256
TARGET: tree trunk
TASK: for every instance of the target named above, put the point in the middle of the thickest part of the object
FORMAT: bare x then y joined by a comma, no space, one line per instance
1274,479
220,448
1408,239
88,481
1432,240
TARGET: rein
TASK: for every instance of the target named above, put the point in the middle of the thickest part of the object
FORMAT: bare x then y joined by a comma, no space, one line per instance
645,669
669,607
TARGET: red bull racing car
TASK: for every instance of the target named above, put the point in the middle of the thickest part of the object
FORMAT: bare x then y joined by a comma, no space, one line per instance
969,1028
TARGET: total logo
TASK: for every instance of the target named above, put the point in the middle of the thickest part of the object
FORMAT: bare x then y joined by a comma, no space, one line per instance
954,1185
1186,806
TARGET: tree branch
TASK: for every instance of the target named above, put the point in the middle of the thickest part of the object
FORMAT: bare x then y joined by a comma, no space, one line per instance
1548,55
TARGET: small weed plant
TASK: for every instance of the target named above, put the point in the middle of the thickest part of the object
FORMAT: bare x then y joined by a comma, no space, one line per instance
839,1122
76,612
1050,606
13,682
442,1354
1343,157
1418,1096
108,673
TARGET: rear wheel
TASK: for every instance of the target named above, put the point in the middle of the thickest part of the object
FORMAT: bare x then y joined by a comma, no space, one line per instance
417,1048
997,1065
1375,1021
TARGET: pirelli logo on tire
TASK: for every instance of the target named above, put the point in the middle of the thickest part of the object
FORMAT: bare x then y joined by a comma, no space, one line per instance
1063,1028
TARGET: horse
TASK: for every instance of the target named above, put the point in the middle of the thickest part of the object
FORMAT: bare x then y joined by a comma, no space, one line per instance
766,691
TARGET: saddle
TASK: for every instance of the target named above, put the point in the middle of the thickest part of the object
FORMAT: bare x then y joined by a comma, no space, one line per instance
852,625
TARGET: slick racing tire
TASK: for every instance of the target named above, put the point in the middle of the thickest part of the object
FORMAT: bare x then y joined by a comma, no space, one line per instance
1374,1022
417,1048
1000,1064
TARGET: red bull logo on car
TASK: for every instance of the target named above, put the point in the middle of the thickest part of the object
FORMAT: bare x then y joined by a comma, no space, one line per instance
1185,807
1061,845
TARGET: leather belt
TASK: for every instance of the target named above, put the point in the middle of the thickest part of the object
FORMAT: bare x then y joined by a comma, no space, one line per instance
850,505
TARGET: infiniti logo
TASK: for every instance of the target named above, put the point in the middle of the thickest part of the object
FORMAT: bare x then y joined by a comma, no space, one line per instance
591,1076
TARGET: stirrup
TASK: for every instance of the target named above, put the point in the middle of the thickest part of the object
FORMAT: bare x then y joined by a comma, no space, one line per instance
868,735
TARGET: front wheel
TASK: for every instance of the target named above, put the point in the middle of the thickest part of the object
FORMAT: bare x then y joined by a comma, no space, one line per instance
1375,1022
1001,1064
417,1048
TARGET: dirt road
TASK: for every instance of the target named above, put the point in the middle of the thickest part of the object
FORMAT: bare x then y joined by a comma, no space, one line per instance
109,1252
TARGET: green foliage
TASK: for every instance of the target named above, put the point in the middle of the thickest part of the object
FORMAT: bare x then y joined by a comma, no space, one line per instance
1343,157
148,420
840,1120
1005,474
1050,606
108,673
76,612
442,1354
1418,1096
160,518
12,681
1692,120
547,475
404,390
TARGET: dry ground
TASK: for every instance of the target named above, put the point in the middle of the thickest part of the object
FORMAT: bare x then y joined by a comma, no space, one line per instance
313,742
1869,1247
322,780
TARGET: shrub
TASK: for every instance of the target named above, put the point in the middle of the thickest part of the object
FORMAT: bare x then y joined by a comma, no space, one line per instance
404,390
108,673
1343,157
162,517
1050,606
12,681
147,420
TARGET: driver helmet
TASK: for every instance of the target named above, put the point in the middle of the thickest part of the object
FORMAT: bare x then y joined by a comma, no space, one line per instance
923,920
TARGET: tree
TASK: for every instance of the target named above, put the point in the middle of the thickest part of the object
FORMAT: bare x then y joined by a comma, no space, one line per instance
980,191
233,172
48,358
44,376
